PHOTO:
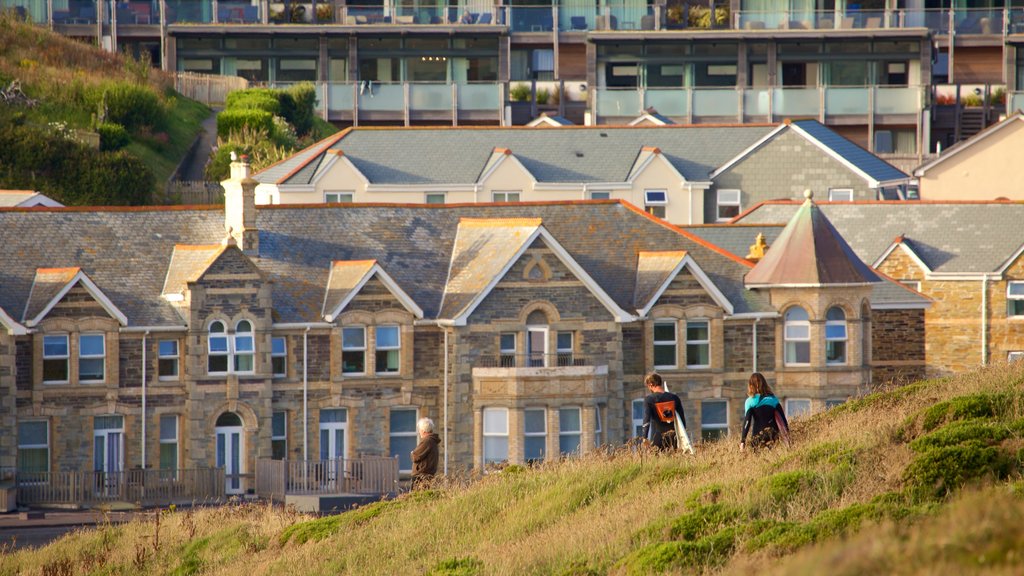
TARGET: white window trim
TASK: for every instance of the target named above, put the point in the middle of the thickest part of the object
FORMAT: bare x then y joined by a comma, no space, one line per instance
844,339
66,357
177,434
283,354
833,192
562,432
34,446
1014,356
353,349
786,339
414,433
486,434
339,194
227,348
234,347
649,202
637,422
790,413
443,195
505,194
674,342
707,343
378,348
274,437
542,434
1009,296
176,357
705,426
101,356
547,345
598,429
606,193
720,202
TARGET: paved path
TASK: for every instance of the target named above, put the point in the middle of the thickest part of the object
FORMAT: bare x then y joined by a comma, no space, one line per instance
207,140
31,533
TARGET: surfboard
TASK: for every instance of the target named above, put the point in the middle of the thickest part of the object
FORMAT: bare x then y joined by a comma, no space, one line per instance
783,429
684,438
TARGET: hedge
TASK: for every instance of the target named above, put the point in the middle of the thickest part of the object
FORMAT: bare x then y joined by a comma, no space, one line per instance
260,99
133,106
113,136
232,120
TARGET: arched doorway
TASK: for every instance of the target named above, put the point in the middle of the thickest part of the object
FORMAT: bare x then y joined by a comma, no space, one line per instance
230,449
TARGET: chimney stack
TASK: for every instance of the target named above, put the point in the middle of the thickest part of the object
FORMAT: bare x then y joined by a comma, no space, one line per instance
240,207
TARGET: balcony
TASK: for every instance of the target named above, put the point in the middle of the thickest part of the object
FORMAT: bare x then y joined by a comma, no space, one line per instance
408,101
538,366
695,105
148,487
963,21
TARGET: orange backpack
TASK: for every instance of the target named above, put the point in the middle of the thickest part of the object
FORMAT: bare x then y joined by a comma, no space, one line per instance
666,411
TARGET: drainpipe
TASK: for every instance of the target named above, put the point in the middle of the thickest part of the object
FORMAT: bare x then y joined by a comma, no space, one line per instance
756,320
446,402
305,395
144,335
984,320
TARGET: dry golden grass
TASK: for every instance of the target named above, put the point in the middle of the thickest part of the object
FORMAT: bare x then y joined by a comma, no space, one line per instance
839,497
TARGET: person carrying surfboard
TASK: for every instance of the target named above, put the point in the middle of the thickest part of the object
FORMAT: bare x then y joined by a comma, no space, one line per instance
762,414
660,409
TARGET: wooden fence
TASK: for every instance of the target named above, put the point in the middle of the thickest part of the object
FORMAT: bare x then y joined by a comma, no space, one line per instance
367,475
209,89
145,487
193,192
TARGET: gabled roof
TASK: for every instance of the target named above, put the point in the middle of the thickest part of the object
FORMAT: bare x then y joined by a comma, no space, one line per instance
347,278
51,284
13,327
498,157
950,238
864,164
187,264
967,144
651,116
549,121
573,154
657,269
26,198
908,248
809,252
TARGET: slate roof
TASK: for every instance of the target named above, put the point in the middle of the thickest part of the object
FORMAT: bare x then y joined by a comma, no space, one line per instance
46,285
187,264
344,277
949,237
127,252
810,252
652,271
865,161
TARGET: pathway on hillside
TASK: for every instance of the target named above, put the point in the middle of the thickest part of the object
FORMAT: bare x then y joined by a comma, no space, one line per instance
193,171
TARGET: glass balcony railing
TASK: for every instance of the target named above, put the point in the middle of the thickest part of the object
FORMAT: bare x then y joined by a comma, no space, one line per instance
532,18
1016,102
692,104
340,96
479,97
31,10
430,97
396,98
985,21
377,97
243,13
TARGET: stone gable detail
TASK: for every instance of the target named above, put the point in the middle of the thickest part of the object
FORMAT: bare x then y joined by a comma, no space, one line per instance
684,290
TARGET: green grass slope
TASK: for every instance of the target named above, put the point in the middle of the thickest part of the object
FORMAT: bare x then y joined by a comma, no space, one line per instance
923,479
68,79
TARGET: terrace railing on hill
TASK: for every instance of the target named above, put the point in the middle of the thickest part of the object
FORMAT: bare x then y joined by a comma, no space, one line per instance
375,475
191,192
209,89
146,487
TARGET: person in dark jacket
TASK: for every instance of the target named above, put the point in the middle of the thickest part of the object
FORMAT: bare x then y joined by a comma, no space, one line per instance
660,409
424,457
762,414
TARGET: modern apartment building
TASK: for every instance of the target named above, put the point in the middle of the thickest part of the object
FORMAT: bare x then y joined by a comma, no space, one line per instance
889,74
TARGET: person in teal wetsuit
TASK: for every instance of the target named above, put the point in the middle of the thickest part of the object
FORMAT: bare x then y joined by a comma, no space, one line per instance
760,414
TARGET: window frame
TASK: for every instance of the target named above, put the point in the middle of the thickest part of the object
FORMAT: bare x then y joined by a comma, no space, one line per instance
674,343
832,192
563,433
360,349
506,195
66,357
507,356
599,195
238,337
637,417
1014,356
226,353
830,341
721,202
377,349
657,208
483,449
790,413
168,441
705,343
790,359
564,356
715,428
530,359
1014,302
274,437
44,446
282,355
161,358
543,434
414,434
339,195
102,357
598,428
427,196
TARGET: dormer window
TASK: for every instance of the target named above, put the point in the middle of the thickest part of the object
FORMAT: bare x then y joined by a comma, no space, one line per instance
217,349
655,202
91,358
388,352
353,350
55,358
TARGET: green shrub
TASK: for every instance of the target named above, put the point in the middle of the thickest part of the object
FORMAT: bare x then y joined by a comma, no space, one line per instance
113,136
133,106
543,95
980,430
233,120
703,521
940,471
457,567
519,93
965,407
784,486
671,556
259,99
298,106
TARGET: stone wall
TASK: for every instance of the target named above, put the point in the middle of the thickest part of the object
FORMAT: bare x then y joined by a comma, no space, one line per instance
897,346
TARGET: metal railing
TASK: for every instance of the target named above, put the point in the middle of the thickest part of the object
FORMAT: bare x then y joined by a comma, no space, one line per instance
146,487
976,21
375,475
557,360
743,103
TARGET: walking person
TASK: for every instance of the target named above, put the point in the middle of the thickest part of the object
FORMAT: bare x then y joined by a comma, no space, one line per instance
763,414
425,456
660,409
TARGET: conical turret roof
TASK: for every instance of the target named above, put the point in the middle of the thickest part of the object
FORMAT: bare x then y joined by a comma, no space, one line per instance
810,252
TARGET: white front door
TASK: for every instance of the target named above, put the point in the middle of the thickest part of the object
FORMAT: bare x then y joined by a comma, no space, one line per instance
229,457
537,345
108,452
333,424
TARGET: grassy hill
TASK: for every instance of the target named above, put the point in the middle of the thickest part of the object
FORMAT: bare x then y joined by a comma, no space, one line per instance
71,83
923,479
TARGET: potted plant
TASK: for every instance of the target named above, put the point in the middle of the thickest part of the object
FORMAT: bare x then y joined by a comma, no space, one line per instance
324,13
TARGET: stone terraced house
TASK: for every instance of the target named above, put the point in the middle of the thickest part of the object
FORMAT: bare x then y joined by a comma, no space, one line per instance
964,256
198,337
